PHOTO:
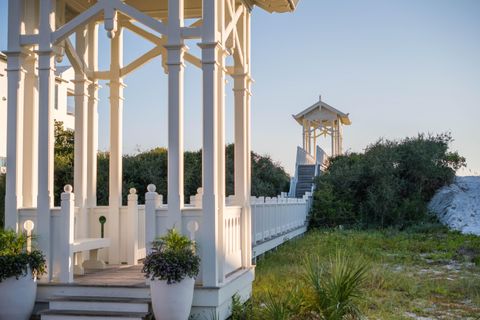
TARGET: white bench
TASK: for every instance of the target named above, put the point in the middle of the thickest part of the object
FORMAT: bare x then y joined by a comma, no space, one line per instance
92,245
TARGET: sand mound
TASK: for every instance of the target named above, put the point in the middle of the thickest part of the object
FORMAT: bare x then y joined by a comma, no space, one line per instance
458,205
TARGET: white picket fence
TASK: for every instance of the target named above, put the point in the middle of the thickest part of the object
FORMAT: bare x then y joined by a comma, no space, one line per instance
273,222
277,220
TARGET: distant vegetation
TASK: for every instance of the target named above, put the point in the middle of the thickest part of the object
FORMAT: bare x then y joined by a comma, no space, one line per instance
389,185
268,177
139,170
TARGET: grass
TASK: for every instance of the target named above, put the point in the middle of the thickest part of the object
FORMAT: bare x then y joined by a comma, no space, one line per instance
428,272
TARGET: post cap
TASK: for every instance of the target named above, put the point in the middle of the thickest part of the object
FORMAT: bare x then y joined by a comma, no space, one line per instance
151,187
68,188
28,225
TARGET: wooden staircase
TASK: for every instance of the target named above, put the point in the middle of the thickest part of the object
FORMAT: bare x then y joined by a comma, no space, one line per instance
306,177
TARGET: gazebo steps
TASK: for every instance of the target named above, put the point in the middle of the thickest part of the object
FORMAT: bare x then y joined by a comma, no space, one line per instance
83,303
92,315
96,308
47,292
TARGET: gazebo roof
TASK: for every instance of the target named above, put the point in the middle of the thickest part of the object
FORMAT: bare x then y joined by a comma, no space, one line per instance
193,8
322,112
279,6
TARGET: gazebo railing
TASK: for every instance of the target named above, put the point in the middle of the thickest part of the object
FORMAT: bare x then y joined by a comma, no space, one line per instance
274,221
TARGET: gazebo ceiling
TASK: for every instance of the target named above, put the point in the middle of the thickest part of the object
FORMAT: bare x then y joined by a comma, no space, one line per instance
193,8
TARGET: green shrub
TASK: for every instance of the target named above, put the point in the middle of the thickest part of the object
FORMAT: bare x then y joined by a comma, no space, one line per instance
240,310
15,261
335,286
389,184
173,258
283,307
139,170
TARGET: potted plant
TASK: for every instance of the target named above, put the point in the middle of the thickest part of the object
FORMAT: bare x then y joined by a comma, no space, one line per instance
171,267
19,270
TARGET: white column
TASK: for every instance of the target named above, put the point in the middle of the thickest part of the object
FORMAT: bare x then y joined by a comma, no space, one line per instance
210,164
305,135
116,144
340,138
248,147
242,136
240,118
304,145
210,233
14,190
337,144
30,142
175,49
30,147
332,132
46,78
309,137
81,138
92,148
13,195
242,159
221,159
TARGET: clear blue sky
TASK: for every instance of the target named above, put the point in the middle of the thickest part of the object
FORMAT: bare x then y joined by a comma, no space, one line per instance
399,67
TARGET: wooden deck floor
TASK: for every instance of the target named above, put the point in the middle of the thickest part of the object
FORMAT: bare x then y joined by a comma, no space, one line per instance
118,275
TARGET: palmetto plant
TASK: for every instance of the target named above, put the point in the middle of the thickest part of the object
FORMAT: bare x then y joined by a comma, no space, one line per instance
283,307
335,285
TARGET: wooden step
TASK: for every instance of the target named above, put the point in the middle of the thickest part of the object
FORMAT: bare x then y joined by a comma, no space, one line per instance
89,303
45,292
92,315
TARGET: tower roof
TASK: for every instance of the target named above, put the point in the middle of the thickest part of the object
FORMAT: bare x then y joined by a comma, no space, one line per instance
322,112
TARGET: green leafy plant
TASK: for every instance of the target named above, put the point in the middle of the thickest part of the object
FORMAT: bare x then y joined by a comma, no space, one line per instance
240,310
15,261
173,258
283,307
335,286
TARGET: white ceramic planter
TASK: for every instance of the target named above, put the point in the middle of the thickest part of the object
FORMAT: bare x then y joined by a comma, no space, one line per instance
172,301
17,297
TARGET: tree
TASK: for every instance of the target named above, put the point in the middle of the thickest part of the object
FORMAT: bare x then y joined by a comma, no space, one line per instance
389,184
63,160
139,170
268,177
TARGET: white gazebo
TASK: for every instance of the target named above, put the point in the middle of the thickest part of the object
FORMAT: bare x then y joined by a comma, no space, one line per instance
41,33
